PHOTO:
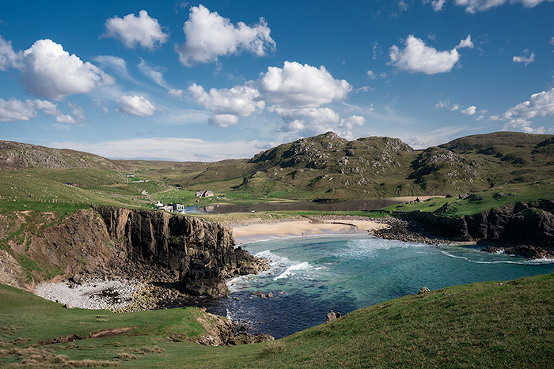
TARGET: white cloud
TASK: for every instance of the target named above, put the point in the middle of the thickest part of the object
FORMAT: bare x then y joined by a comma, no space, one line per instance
455,107
474,6
465,43
297,85
175,92
436,4
223,120
135,105
371,74
50,71
347,125
209,36
540,104
167,148
131,30
418,57
8,57
442,104
526,58
227,104
14,109
153,74
471,110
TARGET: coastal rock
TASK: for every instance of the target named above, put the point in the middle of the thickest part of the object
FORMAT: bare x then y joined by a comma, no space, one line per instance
518,224
331,315
423,290
103,243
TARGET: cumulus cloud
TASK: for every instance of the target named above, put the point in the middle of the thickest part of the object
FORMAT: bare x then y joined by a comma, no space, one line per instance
297,85
14,110
418,57
471,110
520,116
347,125
526,58
371,74
474,6
227,104
309,120
296,93
131,30
465,43
51,72
137,106
175,92
209,36
223,120
435,4
8,57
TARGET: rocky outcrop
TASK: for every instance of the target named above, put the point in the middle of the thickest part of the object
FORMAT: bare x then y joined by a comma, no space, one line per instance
189,254
196,254
516,225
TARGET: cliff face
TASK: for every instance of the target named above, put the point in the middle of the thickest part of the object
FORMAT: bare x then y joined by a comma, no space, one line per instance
514,224
196,254
190,254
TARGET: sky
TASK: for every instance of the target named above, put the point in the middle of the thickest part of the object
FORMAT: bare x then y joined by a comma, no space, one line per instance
212,80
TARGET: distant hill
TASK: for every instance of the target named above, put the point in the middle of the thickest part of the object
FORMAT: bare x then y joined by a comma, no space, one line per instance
328,166
325,166
16,155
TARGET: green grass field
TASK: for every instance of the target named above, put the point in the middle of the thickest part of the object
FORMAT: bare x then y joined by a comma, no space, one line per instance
491,324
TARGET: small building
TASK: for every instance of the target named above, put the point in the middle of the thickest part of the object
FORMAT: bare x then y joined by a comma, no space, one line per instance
207,193
130,175
158,204
166,208
180,208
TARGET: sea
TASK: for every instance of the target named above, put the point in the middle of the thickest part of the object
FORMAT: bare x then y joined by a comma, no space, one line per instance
309,276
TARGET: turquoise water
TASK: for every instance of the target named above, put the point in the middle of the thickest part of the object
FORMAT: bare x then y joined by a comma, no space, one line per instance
311,275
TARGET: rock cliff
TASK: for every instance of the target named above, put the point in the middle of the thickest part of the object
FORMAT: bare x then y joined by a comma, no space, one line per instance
195,254
186,253
516,224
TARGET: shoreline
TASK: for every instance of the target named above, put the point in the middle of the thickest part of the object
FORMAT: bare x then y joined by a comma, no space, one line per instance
388,228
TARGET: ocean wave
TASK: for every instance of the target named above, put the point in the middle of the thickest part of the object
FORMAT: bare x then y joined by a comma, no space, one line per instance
518,261
290,270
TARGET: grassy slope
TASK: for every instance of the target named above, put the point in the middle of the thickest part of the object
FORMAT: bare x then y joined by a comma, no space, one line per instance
491,324
484,201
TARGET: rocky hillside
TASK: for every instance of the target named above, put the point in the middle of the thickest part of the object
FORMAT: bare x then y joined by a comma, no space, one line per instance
16,155
190,254
328,166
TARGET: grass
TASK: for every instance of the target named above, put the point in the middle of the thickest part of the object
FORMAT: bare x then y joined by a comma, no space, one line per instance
492,198
490,324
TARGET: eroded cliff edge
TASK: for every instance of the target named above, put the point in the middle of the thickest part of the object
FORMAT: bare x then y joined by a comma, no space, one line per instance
186,253
524,228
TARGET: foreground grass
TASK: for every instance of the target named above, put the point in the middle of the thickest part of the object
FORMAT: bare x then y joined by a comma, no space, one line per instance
491,324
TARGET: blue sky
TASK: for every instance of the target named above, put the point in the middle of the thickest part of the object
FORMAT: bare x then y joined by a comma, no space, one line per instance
213,80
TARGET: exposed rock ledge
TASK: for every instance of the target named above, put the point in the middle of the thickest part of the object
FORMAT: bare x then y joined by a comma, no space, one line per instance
190,254
525,229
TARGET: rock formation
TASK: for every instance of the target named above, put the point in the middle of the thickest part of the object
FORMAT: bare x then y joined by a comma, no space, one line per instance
186,253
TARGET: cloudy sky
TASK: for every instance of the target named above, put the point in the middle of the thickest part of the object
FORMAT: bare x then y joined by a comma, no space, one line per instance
226,79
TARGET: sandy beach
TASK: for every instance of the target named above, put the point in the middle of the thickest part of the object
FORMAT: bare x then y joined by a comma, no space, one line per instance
304,227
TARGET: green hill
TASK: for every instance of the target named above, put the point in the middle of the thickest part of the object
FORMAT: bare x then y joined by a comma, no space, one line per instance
320,167
490,324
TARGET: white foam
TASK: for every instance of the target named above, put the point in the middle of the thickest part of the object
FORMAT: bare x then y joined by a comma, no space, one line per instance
290,270
518,261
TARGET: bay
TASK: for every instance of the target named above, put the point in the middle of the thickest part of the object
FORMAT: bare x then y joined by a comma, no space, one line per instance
311,275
